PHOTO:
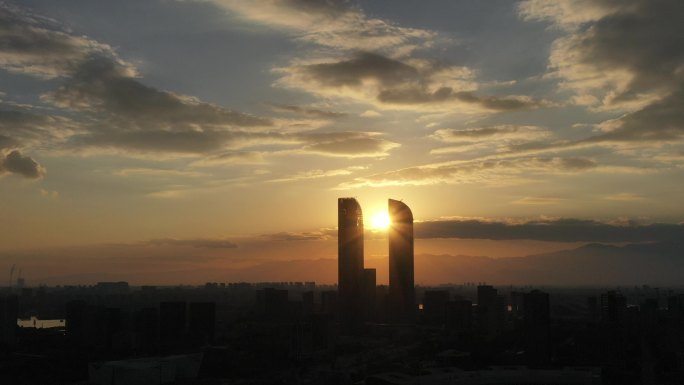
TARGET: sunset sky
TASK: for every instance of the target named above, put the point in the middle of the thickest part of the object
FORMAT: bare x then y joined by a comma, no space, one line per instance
183,135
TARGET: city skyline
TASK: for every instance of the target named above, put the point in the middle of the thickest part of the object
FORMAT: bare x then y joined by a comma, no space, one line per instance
172,139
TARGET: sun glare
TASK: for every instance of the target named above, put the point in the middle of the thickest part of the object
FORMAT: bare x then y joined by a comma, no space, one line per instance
380,220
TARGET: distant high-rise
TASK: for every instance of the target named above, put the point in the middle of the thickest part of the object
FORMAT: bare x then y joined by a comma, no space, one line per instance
401,288
491,311
350,259
537,326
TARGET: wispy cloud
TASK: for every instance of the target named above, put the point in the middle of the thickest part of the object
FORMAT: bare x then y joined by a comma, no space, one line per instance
624,197
334,24
538,201
198,243
318,174
493,171
308,111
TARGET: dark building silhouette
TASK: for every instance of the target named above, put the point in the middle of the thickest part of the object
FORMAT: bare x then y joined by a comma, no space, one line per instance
202,321
272,303
592,309
308,305
172,323
83,323
350,260
459,316
434,306
613,308
112,329
368,284
329,300
147,328
382,303
402,304
9,311
516,303
491,311
537,324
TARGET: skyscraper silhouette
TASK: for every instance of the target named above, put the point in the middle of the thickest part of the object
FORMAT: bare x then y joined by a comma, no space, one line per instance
350,259
401,288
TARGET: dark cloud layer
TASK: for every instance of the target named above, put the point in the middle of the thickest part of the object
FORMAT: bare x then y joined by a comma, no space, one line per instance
16,163
37,46
624,55
562,230
396,82
102,84
111,108
314,112
365,65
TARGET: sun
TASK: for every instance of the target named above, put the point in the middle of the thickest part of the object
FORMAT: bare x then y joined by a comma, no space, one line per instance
380,220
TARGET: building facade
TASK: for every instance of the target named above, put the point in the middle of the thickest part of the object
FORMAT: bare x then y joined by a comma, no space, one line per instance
401,283
350,260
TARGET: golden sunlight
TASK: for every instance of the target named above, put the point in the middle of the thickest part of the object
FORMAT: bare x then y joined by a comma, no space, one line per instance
380,220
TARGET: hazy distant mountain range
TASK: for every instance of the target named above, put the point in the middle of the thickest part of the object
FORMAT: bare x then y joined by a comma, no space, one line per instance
653,263
660,263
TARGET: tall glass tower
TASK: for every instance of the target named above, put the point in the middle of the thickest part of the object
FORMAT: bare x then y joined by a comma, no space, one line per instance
401,286
349,259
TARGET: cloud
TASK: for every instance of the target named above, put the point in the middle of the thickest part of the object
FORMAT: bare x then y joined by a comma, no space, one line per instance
621,55
315,112
370,114
333,23
560,230
538,201
378,68
492,171
37,46
550,230
27,129
104,85
16,163
231,158
624,197
114,112
392,83
417,96
347,144
570,13
322,234
501,132
119,114
21,130
155,172
500,139
317,174
198,243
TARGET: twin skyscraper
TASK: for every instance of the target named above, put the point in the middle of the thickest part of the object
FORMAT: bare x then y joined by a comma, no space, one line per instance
355,283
